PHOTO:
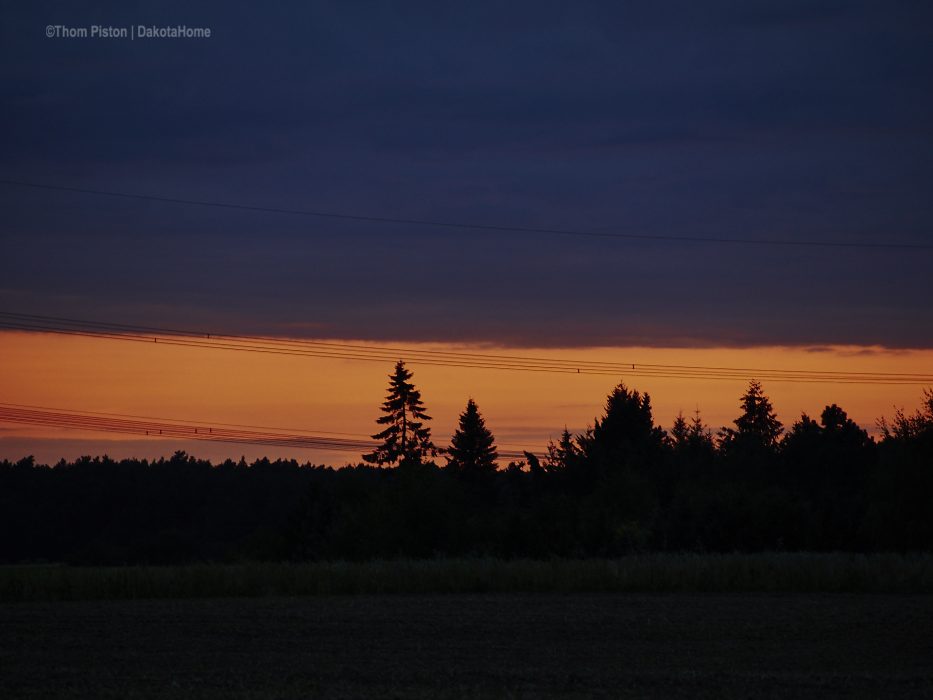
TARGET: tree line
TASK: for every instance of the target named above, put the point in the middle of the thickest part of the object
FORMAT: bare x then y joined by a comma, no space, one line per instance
622,485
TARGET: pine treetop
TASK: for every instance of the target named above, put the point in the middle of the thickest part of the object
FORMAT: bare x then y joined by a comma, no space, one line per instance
406,437
472,447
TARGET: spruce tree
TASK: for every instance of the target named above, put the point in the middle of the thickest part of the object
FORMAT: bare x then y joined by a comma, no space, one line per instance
472,449
680,432
700,435
625,435
692,434
406,439
758,426
562,454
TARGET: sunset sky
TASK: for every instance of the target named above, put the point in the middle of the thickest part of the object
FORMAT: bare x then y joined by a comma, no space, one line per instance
744,122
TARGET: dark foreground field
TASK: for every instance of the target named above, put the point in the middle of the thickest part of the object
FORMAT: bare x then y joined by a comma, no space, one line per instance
492,645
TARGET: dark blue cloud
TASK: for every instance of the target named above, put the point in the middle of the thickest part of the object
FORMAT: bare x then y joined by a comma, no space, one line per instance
757,120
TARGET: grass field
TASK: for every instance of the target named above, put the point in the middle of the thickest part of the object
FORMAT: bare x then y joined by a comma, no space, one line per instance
723,626
471,646
660,573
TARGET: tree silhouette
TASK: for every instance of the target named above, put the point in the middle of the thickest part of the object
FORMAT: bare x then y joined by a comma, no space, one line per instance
620,487
680,431
626,434
406,440
757,427
472,449
835,446
903,487
912,427
562,454
692,438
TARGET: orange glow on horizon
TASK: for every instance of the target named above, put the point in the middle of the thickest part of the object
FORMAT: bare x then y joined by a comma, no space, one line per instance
523,409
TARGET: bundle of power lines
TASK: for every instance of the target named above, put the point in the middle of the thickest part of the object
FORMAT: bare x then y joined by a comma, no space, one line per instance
435,357
165,428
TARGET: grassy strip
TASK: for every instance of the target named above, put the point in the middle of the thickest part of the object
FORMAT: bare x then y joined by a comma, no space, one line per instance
656,573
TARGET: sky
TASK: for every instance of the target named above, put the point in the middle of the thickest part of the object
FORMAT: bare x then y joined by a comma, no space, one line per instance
796,121
335,396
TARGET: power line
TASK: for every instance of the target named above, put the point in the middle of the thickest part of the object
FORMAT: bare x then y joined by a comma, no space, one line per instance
383,354
203,424
667,238
187,421
362,352
169,428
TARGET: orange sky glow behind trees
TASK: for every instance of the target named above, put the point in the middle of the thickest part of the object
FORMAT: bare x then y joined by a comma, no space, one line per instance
523,409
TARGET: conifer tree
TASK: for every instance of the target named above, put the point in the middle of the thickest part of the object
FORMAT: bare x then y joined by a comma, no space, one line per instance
406,439
561,455
680,431
625,434
472,449
692,434
700,434
758,426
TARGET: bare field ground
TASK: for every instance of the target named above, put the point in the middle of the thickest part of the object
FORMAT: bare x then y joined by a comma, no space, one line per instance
452,646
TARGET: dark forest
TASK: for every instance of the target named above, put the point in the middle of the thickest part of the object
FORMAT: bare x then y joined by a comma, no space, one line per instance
624,485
